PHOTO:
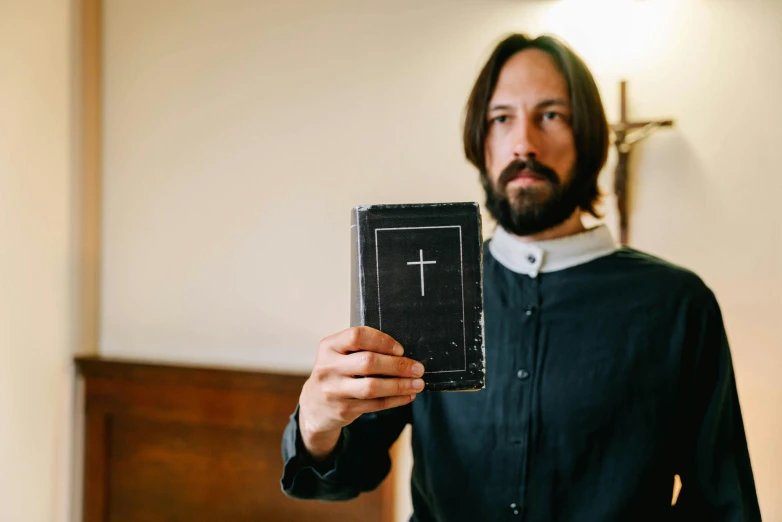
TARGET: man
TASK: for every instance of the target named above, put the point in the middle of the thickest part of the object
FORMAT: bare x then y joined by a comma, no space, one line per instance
608,370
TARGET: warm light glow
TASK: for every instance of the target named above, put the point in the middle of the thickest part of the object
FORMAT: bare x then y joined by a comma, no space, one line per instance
617,37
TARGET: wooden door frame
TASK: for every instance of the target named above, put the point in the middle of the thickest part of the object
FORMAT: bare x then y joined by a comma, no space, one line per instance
88,162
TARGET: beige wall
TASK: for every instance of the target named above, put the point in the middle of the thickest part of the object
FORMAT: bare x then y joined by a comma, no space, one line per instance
35,260
239,134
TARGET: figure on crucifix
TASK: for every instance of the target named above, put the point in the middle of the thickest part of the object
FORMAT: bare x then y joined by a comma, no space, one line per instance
626,135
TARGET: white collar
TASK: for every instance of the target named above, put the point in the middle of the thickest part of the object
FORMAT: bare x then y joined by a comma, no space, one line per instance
551,255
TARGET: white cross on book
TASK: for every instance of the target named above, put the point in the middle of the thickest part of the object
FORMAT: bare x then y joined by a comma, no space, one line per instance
422,263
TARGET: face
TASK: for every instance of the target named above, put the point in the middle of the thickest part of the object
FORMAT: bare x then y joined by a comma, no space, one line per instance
530,150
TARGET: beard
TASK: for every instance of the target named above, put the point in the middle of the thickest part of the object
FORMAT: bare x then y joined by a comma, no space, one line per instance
530,210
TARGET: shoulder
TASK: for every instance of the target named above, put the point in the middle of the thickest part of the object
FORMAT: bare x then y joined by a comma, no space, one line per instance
664,275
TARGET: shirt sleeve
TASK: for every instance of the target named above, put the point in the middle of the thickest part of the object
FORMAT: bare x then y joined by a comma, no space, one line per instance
713,460
359,463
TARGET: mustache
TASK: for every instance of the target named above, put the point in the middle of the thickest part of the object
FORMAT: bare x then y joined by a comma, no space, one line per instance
515,168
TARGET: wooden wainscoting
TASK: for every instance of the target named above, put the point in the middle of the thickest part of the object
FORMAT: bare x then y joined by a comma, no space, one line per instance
172,443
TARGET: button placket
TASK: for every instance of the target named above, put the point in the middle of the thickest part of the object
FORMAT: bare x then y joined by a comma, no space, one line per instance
534,258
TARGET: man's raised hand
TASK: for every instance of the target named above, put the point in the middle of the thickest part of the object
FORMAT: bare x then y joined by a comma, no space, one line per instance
356,371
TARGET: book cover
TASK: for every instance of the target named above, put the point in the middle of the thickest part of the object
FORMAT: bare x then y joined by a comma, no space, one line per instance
417,275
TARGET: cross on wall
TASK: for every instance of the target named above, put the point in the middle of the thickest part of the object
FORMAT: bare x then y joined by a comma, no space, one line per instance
626,135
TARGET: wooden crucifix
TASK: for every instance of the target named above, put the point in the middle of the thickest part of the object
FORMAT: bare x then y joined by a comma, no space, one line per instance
626,135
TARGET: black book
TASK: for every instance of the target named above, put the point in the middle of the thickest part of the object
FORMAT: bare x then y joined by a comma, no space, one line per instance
417,275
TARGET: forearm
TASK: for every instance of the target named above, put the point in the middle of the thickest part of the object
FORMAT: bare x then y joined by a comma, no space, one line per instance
305,477
359,462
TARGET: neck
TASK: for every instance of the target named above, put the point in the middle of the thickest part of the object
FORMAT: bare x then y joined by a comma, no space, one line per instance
571,226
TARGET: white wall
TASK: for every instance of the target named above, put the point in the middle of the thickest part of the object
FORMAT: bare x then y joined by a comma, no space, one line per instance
35,260
238,135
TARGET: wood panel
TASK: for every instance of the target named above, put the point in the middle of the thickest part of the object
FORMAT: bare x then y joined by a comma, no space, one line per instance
168,443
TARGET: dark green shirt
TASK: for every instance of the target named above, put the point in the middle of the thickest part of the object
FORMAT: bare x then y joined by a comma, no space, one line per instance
604,380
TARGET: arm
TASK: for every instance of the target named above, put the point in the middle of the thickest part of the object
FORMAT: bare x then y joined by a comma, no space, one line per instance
351,409
714,463
359,463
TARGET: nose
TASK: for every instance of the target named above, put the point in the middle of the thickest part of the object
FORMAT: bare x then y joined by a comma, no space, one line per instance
526,142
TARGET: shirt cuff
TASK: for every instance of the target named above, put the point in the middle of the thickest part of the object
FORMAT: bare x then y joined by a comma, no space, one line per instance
298,460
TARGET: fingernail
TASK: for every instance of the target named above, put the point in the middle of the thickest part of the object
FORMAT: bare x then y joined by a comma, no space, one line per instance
398,350
418,369
413,396
418,384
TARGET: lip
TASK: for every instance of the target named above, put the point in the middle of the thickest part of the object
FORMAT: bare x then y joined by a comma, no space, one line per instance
525,179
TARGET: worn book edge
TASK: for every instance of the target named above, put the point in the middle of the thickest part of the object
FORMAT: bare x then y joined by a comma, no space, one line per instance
358,312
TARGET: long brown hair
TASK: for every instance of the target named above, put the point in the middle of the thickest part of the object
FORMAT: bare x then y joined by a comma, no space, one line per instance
590,128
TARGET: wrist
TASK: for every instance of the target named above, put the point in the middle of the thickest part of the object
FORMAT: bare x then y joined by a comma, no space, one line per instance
319,444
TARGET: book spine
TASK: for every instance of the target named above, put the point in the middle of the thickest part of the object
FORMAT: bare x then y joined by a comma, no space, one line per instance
357,309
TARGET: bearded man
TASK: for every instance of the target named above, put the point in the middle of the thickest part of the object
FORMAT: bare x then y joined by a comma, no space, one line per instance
608,369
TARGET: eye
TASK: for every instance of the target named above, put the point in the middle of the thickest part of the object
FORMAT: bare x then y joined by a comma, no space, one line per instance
499,119
551,115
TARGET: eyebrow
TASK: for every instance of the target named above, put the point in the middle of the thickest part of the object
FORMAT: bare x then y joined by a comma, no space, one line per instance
541,105
553,101
500,107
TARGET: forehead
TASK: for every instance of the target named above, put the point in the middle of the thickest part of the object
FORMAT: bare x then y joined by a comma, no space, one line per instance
530,74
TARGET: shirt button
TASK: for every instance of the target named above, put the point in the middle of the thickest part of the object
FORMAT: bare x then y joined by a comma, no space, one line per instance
530,310
522,374
513,506
531,259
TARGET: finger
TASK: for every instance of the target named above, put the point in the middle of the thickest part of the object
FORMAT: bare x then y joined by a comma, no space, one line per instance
363,338
384,403
371,363
378,387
